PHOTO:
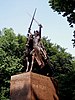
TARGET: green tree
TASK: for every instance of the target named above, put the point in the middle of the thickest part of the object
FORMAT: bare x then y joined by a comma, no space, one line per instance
60,60
66,8
67,86
73,63
11,55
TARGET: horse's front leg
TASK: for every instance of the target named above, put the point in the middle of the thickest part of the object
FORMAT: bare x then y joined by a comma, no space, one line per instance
27,64
32,63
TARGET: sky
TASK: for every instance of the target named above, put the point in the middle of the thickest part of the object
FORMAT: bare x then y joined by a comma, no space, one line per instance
14,14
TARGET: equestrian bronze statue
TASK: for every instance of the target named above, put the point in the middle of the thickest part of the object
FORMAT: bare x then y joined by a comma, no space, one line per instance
35,50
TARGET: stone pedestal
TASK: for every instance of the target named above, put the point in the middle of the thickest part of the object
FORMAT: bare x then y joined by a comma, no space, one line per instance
32,86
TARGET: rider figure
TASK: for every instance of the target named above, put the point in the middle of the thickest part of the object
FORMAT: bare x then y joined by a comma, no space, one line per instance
37,41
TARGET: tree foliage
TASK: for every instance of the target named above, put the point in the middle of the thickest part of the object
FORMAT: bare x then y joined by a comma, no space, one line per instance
11,53
66,8
11,62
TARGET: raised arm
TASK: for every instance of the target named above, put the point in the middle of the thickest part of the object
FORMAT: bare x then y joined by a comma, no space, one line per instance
40,26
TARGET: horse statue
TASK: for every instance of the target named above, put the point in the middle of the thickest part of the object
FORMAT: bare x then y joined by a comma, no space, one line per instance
35,51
